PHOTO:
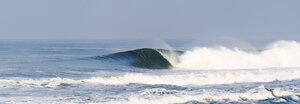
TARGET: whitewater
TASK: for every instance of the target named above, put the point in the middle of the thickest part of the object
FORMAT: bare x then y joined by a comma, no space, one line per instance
141,72
278,54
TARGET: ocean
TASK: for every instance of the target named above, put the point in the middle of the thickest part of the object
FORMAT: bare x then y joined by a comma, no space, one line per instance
147,72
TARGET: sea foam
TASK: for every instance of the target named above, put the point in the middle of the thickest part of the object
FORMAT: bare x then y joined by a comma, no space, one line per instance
194,78
278,54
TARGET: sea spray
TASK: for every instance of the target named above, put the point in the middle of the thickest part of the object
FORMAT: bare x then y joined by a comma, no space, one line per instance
278,54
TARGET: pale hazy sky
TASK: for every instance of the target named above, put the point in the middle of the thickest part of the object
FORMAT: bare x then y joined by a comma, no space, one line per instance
158,19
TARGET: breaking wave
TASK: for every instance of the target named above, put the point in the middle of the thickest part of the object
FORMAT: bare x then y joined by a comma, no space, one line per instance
145,58
280,54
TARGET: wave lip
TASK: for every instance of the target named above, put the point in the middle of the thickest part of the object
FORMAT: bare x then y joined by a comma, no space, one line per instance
144,58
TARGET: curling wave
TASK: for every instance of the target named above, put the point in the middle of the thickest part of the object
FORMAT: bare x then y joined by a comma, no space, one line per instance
145,57
280,54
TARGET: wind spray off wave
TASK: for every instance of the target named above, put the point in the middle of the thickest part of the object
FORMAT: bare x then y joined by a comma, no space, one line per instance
278,54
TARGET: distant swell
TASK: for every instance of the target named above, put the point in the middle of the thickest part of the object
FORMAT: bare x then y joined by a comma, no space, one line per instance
144,58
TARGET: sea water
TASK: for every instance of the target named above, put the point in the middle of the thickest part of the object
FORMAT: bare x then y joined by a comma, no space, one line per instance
106,71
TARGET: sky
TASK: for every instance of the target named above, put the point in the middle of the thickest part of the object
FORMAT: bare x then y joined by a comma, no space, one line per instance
149,19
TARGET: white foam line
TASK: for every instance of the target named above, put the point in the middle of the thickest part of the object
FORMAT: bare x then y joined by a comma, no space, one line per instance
200,78
205,96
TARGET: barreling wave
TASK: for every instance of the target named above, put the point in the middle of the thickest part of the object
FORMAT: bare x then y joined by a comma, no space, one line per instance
280,54
145,58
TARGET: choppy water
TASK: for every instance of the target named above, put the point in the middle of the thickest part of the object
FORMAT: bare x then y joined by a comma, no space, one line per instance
89,71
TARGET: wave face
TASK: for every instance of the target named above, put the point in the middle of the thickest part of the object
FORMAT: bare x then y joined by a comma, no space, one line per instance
279,54
144,58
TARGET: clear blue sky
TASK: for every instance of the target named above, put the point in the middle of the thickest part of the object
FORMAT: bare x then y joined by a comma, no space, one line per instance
158,19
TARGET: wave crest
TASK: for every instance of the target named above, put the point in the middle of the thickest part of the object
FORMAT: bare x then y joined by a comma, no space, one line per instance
145,58
278,54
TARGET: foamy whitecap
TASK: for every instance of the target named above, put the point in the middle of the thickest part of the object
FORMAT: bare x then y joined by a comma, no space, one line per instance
205,96
199,78
278,54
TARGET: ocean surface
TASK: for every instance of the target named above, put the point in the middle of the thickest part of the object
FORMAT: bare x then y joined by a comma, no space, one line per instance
148,72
